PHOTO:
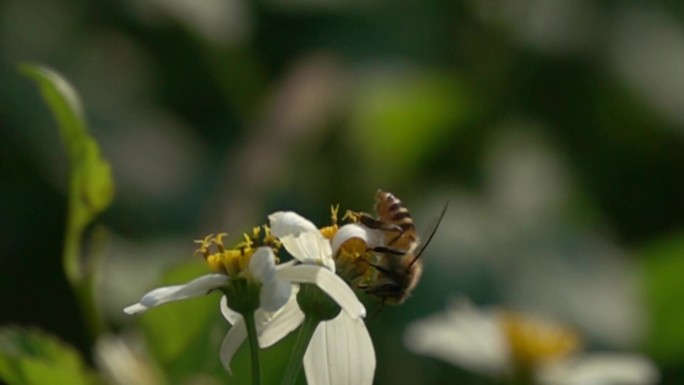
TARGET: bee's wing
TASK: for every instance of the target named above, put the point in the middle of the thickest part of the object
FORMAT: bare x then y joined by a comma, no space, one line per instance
431,234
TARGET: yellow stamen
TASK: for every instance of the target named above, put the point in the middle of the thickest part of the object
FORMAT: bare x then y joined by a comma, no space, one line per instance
235,261
204,245
218,241
330,231
353,216
255,232
215,263
269,239
334,209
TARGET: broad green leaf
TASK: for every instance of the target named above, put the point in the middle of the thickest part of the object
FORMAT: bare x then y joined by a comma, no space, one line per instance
91,187
663,265
29,357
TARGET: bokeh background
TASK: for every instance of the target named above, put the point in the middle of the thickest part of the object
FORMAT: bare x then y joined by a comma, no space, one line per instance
554,129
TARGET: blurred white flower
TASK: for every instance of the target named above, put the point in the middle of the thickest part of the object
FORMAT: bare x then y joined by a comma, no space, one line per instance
123,361
499,343
647,52
340,351
521,235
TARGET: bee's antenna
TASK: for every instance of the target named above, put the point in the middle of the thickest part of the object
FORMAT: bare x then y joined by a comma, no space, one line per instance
432,234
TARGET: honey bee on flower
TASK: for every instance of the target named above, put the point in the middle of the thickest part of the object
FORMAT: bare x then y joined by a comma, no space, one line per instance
385,249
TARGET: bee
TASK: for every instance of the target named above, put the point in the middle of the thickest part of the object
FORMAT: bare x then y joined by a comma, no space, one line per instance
398,265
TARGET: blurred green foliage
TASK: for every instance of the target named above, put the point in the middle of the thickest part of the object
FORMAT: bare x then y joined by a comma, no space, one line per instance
211,117
91,187
183,344
663,264
30,357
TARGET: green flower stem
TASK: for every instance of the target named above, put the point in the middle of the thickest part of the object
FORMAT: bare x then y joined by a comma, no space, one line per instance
253,346
295,365
79,270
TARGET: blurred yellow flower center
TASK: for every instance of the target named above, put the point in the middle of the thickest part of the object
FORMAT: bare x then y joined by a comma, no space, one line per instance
235,261
534,341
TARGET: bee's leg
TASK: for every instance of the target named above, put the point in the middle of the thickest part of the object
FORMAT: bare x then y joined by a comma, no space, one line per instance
375,224
401,229
379,268
387,250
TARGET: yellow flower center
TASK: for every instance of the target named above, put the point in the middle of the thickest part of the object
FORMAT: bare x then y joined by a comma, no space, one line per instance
352,262
535,342
351,259
234,262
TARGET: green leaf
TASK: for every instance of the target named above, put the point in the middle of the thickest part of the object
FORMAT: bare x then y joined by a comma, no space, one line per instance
91,187
663,267
397,122
98,185
90,172
63,100
32,357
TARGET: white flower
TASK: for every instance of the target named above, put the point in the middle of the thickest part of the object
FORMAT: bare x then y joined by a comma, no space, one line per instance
198,286
494,342
271,326
340,351
274,291
371,238
304,241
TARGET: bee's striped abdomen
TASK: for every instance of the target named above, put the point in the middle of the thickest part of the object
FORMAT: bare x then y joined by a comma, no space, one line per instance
390,210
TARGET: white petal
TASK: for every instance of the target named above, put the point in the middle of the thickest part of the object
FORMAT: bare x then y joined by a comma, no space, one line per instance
199,286
271,327
282,323
274,291
330,283
463,336
601,369
372,238
301,239
136,308
340,353
231,342
229,314
289,223
262,264
274,294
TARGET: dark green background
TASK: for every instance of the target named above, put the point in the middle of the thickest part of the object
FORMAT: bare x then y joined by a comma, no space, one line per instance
324,102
